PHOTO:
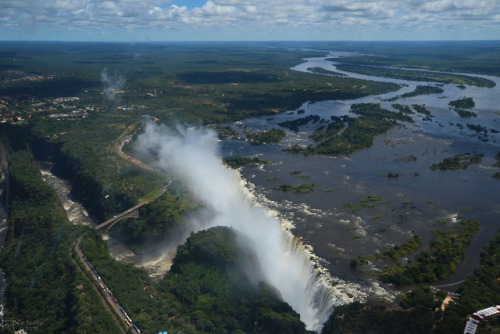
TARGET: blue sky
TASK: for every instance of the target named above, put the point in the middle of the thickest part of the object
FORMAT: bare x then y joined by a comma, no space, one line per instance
190,4
245,20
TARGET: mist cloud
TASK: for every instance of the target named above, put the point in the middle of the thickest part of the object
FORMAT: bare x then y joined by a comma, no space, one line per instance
193,156
112,84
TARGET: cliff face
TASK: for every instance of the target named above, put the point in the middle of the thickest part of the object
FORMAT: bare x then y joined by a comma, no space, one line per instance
85,186
64,167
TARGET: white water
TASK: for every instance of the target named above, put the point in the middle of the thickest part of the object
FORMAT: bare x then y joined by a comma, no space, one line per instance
285,262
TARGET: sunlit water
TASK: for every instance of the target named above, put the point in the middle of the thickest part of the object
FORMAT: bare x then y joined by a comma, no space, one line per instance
417,204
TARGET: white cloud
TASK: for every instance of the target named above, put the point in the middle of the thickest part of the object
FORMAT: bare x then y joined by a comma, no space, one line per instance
247,19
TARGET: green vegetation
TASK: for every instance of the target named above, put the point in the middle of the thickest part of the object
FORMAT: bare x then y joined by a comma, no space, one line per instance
266,137
370,199
419,312
453,56
420,108
237,161
423,90
299,189
439,261
206,291
422,296
419,90
367,202
156,219
374,110
477,127
294,125
357,318
394,254
84,151
463,103
218,295
496,175
358,135
460,161
465,113
479,291
390,175
36,260
227,132
323,133
320,70
408,158
402,108
212,83
417,75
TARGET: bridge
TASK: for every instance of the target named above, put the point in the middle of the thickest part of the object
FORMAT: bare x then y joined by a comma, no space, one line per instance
130,213
134,211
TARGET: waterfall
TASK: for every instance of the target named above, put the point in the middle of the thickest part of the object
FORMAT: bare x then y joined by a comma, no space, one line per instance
285,262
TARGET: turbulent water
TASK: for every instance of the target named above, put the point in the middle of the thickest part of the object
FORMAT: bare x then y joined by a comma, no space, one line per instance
77,214
284,261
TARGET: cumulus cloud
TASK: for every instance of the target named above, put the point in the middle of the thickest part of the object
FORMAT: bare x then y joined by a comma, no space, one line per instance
245,18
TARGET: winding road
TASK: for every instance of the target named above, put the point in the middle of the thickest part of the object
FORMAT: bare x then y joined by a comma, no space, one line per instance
127,213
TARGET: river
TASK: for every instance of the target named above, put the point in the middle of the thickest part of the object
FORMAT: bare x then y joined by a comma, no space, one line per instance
416,204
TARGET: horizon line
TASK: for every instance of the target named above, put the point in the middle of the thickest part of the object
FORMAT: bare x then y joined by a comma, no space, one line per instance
248,41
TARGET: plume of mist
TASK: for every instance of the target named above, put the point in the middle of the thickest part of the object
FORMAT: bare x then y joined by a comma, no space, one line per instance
192,155
112,84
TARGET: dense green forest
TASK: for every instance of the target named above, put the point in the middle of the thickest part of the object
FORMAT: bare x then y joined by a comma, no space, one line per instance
84,151
449,56
206,290
190,83
44,288
156,218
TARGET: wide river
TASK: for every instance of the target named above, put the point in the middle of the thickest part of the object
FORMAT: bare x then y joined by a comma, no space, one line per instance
416,204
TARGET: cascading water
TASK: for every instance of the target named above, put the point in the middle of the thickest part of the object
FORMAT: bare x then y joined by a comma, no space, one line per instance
285,262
